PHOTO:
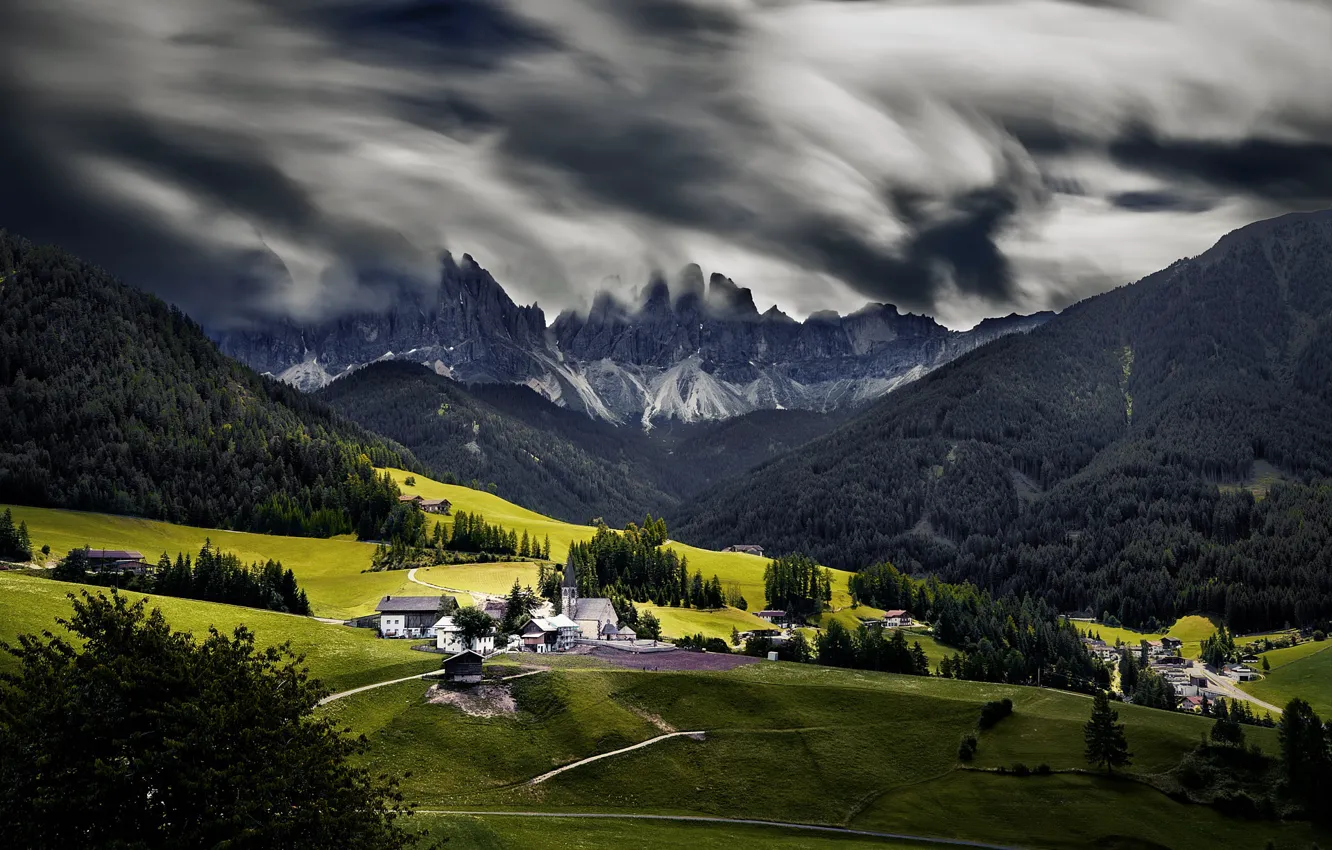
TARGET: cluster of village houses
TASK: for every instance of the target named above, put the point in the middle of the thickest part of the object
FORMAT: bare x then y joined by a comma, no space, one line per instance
1189,678
580,619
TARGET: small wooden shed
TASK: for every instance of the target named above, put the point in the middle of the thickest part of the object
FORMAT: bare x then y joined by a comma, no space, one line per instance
463,668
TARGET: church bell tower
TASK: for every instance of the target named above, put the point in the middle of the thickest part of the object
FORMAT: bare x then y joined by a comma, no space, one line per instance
569,590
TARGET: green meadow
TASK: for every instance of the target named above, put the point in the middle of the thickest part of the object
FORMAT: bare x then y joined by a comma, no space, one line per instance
1303,670
342,657
737,568
794,743
330,571
500,832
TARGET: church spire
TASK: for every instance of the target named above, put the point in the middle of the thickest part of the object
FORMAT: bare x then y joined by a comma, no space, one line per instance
569,590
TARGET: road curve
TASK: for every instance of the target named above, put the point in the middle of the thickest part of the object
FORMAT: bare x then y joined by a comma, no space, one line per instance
807,827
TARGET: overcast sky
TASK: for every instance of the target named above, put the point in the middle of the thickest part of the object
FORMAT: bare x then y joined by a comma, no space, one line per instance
246,158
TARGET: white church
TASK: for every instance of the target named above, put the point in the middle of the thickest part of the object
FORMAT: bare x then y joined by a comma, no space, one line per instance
591,614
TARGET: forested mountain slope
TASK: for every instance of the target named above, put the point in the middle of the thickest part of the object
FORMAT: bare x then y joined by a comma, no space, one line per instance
110,400
554,460
1101,460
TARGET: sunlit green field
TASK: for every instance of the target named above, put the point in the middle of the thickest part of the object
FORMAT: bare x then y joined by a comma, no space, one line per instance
1304,671
676,622
746,571
495,579
330,571
342,657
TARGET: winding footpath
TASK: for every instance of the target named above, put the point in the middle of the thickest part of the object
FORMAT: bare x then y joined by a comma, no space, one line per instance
340,694
481,598
806,827
697,736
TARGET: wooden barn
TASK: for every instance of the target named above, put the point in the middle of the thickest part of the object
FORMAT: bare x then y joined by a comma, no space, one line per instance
463,668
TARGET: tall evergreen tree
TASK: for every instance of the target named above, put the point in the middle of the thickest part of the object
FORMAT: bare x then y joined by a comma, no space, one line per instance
1106,744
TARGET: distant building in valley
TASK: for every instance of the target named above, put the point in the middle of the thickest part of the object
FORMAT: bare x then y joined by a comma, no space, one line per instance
430,506
411,616
746,548
897,619
115,560
772,616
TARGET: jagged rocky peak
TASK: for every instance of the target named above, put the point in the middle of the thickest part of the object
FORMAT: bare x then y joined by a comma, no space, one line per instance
725,298
677,349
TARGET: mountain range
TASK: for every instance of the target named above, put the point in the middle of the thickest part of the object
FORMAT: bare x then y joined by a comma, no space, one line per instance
687,352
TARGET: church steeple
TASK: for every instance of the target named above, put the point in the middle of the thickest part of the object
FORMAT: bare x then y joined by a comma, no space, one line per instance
569,590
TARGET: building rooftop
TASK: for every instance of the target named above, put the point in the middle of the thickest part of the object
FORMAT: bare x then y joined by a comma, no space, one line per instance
114,554
407,604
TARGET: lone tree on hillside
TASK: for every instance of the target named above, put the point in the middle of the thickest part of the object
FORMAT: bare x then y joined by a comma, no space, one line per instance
1106,745
134,735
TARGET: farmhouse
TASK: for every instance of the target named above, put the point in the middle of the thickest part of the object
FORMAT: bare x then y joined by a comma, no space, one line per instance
463,668
897,619
430,506
449,637
1193,704
549,634
746,548
409,616
1169,642
591,614
496,608
115,560
772,616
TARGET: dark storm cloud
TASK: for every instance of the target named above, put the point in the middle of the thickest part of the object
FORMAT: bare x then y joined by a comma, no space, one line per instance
460,33
1292,172
245,157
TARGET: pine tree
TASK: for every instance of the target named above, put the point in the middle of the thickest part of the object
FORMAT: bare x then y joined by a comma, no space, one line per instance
1104,736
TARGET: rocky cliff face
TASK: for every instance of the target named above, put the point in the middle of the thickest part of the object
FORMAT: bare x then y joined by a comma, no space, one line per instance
689,351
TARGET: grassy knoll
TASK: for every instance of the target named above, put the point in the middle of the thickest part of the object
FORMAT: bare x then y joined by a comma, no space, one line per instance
342,657
328,570
513,833
793,742
1303,670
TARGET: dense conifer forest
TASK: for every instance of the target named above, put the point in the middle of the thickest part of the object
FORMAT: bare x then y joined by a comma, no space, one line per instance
112,401
1160,449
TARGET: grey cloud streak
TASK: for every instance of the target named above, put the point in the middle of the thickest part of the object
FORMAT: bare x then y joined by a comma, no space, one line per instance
248,159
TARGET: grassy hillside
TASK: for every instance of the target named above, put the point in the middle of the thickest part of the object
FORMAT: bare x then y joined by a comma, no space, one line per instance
744,570
330,571
1304,671
342,657
802,743
513,833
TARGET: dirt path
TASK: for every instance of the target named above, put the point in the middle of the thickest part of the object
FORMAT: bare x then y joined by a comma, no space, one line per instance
340,694
697,736
806,827
479,597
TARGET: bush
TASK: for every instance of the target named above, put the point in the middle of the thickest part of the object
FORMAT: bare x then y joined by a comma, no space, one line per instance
966,750
1020,769
1319,635
994,711
1043,769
